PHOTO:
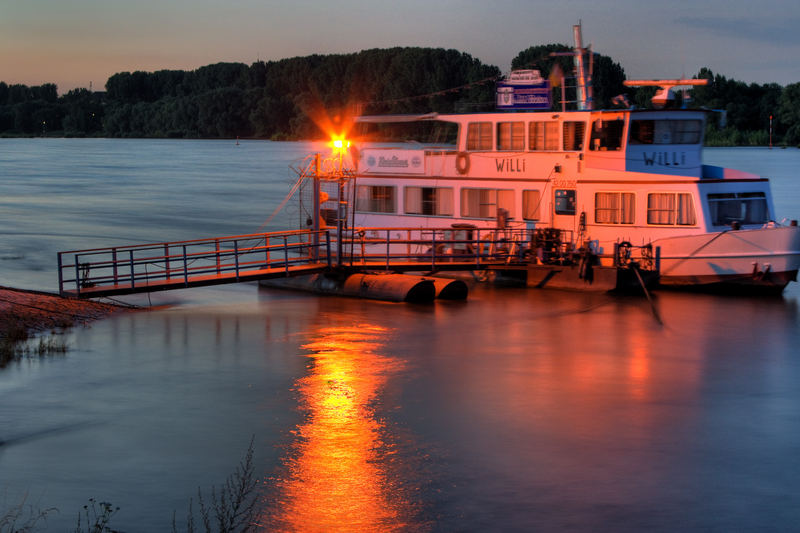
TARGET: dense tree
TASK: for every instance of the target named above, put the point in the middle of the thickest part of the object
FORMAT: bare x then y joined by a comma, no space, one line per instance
789,112
308,97
83,112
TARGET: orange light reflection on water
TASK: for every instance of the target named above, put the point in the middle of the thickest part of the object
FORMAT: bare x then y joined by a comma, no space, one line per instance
336,478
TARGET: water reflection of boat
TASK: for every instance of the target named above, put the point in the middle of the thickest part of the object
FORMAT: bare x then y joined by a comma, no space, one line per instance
591,179
337,475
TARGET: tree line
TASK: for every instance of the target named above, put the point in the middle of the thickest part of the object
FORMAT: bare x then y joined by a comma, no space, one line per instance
302,97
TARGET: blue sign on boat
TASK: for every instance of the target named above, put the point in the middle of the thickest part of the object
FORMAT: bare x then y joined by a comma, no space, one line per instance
524,89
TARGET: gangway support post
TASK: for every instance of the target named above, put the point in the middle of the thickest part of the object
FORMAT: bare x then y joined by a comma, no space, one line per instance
133,272
285,255
315,213
236,257
166,259
185,268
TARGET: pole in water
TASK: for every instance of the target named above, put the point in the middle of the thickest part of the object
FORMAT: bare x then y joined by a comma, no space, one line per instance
647,294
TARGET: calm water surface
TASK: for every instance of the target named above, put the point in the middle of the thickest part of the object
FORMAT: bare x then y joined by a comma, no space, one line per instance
517,410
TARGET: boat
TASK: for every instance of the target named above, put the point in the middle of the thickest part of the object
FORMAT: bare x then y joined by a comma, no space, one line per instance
568,185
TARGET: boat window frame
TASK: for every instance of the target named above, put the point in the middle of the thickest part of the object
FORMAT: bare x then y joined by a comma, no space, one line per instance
635,134
618,210
515,140
480,136
740,198
570,210
371,199
604,136
578,138
674,209
427,202
550,139
493,206
536,214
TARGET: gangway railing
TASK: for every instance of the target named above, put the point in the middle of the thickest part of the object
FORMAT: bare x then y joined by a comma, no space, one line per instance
159,266
181,264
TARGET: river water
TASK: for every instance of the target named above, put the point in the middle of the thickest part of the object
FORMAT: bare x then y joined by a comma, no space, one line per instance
517,410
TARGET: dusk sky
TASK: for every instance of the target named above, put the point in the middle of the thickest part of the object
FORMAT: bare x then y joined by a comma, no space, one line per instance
72,43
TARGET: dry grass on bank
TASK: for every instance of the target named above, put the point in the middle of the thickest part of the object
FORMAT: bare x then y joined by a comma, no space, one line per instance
26,313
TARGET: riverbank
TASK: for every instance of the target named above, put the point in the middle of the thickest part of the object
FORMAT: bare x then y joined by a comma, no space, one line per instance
24,313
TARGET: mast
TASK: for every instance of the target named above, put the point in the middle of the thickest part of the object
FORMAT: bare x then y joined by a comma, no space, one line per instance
582,74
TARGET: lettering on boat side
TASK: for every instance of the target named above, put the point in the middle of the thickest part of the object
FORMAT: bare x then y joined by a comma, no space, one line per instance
664,159
565,184
394,162
510,164
397,162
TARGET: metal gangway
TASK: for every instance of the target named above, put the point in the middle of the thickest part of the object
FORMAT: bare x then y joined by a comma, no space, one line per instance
162,266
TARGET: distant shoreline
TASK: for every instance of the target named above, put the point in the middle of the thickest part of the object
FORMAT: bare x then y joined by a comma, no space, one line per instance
56,136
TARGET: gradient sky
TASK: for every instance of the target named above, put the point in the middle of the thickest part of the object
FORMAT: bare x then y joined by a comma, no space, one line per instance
75,42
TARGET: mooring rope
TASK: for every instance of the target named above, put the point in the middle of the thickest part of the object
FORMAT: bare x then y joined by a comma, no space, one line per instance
283,203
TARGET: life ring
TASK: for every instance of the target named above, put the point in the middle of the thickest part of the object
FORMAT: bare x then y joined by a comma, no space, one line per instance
462,163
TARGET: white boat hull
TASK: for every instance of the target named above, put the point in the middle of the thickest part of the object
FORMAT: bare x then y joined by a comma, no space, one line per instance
756,258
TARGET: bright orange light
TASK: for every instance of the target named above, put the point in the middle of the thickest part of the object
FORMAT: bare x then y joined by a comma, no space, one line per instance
340,143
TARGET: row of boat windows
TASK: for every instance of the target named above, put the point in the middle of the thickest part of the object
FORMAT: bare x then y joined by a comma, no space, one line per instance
570,136
663,208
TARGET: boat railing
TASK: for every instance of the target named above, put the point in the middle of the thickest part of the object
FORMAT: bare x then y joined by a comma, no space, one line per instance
554,246
434,246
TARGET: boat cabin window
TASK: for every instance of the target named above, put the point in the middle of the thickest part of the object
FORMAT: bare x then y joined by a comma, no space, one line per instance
614,208
666,131
573,136
606,135
543,136
479,136
530,204
436,201
376,199
511,136
565,201
671,209
741,207
484,203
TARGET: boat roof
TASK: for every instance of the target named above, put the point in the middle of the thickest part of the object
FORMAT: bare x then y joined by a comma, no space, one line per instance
458,117
378,119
